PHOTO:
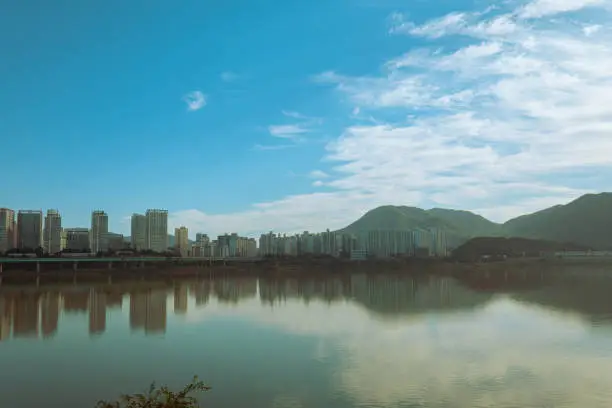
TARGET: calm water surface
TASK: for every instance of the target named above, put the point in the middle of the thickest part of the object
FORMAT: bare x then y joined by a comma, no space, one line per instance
354,341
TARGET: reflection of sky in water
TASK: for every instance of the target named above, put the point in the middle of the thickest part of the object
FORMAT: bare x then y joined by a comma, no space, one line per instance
440,346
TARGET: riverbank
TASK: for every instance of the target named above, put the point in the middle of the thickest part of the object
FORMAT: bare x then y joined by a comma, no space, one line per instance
293,267
272,268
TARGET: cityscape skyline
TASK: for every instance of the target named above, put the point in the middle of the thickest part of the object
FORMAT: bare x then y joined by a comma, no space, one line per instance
100,221
30,232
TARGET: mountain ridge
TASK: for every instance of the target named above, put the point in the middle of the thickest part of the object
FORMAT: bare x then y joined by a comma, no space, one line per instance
586,220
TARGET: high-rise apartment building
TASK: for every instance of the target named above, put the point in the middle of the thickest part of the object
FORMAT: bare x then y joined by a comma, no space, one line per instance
157,230
99,226
52,234
29,229
7,229
181,240
138,232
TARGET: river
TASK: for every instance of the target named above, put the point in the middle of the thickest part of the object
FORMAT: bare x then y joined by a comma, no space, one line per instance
347,341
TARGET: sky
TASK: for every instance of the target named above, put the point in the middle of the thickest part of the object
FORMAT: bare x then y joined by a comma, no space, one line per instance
292,115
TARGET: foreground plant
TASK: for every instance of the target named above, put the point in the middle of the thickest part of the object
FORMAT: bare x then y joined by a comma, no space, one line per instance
161,397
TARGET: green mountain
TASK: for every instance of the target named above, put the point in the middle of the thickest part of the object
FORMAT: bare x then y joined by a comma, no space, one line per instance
459,225
390,217
586,221
470,224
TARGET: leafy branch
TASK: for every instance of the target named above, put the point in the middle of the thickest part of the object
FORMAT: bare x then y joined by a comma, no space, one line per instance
161,397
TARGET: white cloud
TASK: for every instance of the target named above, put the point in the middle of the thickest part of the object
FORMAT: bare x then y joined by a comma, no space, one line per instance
286,131
494,123
317,183
591,29
195,100
540,8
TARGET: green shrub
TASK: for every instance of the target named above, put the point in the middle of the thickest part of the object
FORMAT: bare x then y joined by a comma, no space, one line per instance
161,397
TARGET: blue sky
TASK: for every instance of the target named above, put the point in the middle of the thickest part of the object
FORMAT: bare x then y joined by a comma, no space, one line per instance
249,116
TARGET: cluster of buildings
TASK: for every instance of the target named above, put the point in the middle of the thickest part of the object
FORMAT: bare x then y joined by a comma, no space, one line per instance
29,230
378,244
226,245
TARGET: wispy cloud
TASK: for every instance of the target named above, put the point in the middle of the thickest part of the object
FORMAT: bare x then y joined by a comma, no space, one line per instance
295,132
272,147
295,115
318,174
195,100
541,8
512,118
286,131
229,76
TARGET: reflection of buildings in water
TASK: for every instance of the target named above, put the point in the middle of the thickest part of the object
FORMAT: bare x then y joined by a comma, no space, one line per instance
148,311
76,301
327,289
277,291
201,292
114,300
97,312
49,313
233,290
25,317
6,317
181,295
138,310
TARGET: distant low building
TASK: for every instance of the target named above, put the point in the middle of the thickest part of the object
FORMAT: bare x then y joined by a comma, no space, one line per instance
77,239
111,242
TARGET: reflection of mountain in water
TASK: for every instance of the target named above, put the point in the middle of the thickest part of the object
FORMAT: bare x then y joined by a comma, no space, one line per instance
389,295
407,296
583,291
591,297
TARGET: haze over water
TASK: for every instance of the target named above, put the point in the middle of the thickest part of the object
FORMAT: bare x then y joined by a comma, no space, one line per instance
348,341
